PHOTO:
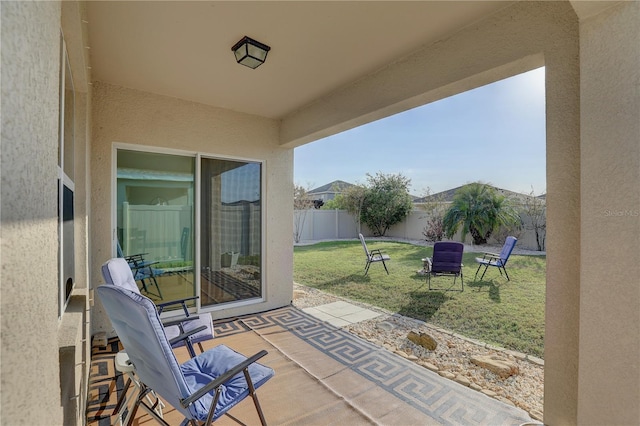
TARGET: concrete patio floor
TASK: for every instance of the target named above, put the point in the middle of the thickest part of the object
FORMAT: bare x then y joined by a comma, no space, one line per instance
340,313
324,375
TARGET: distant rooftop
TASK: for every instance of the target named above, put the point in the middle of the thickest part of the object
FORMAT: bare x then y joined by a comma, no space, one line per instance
338,186
447,196
335,186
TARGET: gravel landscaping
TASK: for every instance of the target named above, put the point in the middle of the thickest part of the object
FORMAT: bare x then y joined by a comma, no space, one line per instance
452,356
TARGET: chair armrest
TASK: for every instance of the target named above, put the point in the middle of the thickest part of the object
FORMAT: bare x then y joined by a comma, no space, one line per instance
179,320
377,251
139,257
136,261
182,302
135,256
186,334
142,264
221,379
488,255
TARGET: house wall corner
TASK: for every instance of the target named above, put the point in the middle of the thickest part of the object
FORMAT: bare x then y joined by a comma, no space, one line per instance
609,364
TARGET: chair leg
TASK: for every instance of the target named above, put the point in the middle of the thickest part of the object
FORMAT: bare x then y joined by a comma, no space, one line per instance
500,269
151,410
455,277
477,270
505,272
144,285
152,281
252,391
484,272
153,278
366,268
122,398
385,267
212,409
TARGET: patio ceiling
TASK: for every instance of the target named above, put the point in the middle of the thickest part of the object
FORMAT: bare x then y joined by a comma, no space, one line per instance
183,49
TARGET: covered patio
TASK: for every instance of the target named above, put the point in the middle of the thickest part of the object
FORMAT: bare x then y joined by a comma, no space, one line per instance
324,375
85,81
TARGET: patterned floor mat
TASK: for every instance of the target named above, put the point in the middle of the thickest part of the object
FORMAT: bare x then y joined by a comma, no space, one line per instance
105,384
344,363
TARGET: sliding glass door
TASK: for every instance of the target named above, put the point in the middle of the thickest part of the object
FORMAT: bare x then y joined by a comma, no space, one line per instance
230,217
213,250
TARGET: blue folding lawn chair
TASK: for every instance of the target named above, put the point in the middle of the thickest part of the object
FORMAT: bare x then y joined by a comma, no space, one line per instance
497,260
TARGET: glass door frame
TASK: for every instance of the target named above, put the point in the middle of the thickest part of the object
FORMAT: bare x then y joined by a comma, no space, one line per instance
263,215
197,156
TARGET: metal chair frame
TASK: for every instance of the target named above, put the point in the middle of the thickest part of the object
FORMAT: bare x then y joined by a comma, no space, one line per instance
376,255
195,387
497,260
191,329
447,261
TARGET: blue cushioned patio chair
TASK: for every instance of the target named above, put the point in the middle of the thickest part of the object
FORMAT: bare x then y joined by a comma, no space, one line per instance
447,261
373,256
192,329
203,388
497,260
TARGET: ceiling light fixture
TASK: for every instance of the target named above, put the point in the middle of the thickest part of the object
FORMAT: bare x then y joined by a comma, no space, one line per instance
250,53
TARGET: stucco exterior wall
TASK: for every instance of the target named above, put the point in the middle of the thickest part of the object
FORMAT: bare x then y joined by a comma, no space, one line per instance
610,220
122,115
29,303
593,170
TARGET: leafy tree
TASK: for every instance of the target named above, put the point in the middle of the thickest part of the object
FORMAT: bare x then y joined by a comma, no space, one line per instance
352,200
386,202
338,202
301,205
479,210
435,209
331,204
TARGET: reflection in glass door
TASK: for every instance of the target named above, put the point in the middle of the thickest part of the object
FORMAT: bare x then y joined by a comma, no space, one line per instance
155,221
230,231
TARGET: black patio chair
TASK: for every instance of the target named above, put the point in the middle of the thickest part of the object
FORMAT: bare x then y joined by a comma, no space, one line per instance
142,270
447,261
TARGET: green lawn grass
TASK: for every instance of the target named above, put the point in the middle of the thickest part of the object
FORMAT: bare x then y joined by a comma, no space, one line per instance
500,312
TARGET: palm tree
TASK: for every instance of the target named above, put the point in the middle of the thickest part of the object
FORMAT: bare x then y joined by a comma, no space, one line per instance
479,209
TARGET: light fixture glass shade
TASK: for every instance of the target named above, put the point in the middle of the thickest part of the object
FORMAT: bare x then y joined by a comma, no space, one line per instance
250,53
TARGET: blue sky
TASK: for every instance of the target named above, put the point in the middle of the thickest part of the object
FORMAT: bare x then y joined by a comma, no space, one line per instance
494,134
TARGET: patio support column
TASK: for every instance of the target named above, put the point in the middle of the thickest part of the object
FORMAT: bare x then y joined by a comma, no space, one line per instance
561,339
609,344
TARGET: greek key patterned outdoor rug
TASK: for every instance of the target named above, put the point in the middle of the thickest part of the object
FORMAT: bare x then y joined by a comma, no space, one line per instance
323,374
